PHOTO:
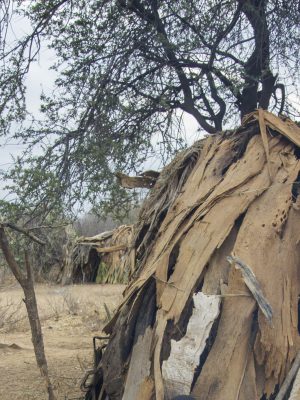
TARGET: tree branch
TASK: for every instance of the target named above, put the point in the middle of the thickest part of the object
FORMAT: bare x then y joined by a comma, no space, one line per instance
155,21
10,259
24,231
257,67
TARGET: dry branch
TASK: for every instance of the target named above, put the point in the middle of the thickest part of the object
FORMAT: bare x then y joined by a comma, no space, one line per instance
24,231
111,249
253,285
131,182
295,393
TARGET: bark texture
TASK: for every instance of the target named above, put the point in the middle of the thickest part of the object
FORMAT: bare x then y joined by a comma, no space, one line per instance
234,194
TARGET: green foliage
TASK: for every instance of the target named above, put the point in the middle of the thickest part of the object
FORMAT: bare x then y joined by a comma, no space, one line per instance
127,71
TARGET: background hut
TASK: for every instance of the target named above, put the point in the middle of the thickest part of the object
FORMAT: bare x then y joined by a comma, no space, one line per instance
101,258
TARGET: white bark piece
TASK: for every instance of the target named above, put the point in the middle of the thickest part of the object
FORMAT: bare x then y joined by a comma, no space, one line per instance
178,370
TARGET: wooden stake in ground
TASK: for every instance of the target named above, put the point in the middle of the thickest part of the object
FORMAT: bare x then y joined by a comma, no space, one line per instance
26,282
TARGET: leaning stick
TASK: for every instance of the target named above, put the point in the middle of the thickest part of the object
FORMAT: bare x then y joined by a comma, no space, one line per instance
289,378
253,285
295,393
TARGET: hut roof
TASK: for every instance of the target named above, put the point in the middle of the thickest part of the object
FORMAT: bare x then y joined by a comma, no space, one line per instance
212,309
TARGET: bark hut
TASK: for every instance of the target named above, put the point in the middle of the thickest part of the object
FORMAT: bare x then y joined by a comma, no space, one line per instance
102,258
212,309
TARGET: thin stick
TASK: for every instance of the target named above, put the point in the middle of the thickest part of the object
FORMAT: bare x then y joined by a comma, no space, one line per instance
289,378
107,312
253,285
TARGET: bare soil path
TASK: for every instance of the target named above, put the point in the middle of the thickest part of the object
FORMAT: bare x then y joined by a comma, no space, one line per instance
70,317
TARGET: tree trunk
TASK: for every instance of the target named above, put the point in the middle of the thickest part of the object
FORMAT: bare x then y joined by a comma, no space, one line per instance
257,67
26,282
36,330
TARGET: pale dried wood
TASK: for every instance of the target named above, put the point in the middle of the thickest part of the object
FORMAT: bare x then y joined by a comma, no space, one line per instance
95,239
131,182
111,249
253,285
202,237
286,128
256,244
146,389
224,368
218,268
178,370
218,194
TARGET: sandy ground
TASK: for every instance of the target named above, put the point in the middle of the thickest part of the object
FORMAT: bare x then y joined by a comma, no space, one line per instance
70,317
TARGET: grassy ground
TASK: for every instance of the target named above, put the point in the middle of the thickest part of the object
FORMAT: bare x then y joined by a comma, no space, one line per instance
70,317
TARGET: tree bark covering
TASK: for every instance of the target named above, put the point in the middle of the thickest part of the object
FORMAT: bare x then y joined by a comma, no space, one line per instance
229,194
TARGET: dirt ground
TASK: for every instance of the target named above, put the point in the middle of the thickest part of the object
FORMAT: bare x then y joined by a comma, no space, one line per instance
70,317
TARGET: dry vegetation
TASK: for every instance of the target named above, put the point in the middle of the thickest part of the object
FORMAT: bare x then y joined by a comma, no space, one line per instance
70,317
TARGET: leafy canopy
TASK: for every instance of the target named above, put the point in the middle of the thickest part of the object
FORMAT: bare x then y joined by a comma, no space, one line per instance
127,72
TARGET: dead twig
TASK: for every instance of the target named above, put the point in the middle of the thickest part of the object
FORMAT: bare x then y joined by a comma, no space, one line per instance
253,285
108,313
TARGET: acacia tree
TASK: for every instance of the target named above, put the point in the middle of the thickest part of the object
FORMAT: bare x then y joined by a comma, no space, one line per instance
127,72
26,281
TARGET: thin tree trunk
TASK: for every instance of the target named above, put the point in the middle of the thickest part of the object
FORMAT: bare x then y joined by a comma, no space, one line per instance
36,329
26,282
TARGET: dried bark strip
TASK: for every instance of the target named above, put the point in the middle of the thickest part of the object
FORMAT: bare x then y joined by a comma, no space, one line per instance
253,285
178,371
